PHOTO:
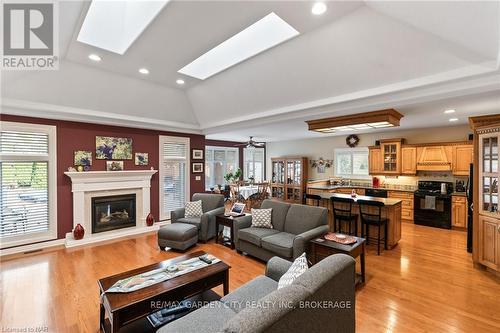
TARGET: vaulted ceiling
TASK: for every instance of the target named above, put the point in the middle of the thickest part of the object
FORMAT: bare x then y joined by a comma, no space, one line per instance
358,56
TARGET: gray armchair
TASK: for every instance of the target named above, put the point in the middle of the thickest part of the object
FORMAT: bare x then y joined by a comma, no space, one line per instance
212,204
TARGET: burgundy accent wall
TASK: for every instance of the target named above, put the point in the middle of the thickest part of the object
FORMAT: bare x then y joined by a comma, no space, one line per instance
73,136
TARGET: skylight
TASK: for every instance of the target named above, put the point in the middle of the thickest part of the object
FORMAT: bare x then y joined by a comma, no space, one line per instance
115,25
260,36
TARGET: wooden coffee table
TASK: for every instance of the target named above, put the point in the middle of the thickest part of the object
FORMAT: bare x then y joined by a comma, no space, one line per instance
322,249
124,308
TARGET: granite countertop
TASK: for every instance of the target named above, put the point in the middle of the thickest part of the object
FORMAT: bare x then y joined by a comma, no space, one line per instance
386,201
388,188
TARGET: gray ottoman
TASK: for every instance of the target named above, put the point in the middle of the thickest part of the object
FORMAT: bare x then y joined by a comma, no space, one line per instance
178,236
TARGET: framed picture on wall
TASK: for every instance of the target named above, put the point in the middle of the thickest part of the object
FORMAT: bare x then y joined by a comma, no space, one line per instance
198,167
197,154
111,148
82,157
114,165
141,159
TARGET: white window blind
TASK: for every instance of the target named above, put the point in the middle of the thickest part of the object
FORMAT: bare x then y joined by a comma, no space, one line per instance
27,179
174,173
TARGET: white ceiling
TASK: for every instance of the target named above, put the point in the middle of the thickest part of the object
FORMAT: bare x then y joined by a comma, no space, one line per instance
410,55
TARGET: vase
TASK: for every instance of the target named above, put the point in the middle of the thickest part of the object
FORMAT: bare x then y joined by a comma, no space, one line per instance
78,232
150,220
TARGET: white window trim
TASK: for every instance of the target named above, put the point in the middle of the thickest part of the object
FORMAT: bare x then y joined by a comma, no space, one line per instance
349,150
51,131
164,139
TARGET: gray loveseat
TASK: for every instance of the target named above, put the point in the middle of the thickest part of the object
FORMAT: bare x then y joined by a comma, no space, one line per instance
212,204
293,227
320,300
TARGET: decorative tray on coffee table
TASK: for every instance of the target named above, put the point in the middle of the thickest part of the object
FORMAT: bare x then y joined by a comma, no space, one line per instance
340,238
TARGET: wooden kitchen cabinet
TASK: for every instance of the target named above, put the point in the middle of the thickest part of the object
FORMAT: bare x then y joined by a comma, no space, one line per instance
489,242
462,158
391,156
407,203
486,241
459,211
409,160
374,161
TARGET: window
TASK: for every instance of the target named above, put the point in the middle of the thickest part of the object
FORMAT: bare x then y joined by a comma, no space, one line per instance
174,174
218,162
254,163
28,203
351,162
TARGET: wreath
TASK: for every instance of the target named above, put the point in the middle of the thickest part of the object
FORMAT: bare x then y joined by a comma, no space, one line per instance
352,140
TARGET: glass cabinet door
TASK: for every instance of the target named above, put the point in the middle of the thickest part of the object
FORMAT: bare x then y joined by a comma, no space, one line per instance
489,173
390,156
278,168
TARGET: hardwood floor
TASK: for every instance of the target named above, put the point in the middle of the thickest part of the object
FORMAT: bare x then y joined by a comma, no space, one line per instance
425,284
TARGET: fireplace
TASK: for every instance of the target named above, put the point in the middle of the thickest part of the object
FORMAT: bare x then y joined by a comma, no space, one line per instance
113,212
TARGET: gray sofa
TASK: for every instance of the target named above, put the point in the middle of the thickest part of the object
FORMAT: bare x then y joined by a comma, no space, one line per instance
212,204
293,227
320,300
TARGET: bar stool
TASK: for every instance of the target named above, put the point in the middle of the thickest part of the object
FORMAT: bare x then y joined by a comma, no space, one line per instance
367,211
342,212
314,197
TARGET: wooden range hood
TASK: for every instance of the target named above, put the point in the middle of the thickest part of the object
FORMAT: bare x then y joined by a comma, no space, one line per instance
360,121
434,158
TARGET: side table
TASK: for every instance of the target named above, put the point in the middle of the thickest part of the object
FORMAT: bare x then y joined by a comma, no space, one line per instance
226,221
321,248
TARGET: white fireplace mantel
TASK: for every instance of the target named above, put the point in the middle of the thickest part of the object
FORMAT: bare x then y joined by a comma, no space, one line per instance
86,185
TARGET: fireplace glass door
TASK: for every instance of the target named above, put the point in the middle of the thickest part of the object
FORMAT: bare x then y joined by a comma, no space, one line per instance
113,212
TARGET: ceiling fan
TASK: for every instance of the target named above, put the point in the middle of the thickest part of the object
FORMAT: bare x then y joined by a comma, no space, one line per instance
251,144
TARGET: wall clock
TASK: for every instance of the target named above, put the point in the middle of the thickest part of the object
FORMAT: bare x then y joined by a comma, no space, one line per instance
352,140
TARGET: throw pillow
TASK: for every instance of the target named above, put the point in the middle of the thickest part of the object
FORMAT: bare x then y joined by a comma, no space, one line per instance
298,267
193,209
261,218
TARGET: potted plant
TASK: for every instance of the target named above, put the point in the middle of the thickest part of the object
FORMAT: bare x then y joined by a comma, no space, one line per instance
228,177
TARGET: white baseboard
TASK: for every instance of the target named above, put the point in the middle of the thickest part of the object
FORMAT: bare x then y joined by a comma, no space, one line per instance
31,247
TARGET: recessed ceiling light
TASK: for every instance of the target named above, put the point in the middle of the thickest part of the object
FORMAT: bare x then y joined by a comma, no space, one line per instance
449,111
143,71
180,81
94,57
318,8
453,119
115,25
268,32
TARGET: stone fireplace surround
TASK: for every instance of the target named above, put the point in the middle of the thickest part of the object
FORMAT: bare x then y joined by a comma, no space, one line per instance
86,185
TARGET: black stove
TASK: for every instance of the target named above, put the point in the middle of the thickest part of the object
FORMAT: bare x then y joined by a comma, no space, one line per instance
434,188
431,207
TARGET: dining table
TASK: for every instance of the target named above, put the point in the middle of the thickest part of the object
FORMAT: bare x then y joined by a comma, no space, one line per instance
247,191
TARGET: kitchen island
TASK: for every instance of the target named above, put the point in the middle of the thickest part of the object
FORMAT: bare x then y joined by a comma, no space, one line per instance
391,211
